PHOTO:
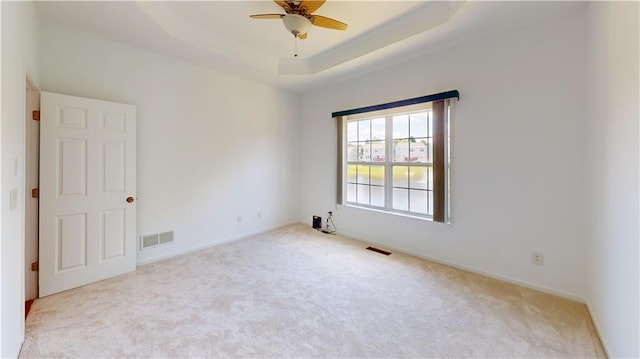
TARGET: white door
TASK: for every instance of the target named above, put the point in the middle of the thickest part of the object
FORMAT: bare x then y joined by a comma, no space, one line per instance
87,191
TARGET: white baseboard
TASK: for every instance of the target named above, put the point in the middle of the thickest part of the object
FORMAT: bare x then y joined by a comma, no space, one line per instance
503,278
595,325
500,277
214,243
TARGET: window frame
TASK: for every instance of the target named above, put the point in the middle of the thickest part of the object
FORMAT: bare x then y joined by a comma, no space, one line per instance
389,164
388,111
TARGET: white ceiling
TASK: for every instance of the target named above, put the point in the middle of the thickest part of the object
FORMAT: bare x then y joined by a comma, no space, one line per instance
220,35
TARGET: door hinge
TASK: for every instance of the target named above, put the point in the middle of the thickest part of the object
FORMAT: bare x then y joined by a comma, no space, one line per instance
34,193
34,266
35,115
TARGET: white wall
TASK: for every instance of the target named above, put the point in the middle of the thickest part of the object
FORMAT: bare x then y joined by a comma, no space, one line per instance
213,146
613,172
518,160
19,56
210,146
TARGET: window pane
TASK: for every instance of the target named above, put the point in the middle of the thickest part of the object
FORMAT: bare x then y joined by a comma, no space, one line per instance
418,177
418,150
351,173
418,125
400,176
401,199
400,126
378,129
366,151
363,151
401,150
377,196
377,151
430,202
351,192
363,174
418,201
363,194
352,131
377,175
352,152
411,155
364,130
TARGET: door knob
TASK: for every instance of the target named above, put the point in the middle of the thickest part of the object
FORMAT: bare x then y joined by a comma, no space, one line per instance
130,199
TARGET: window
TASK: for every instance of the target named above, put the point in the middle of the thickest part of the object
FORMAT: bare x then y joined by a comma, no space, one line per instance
396,159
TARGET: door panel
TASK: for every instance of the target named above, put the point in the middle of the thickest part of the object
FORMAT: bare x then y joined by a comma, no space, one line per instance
72,157
70,117
114,164
87,170
112,234
71,242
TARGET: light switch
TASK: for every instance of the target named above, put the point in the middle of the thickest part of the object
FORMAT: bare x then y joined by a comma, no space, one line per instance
13,199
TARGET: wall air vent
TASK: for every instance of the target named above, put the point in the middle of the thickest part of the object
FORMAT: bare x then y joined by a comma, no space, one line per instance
165,237
153,240
149,241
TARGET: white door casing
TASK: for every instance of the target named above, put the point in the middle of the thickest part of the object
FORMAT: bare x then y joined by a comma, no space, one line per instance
87,173
32,136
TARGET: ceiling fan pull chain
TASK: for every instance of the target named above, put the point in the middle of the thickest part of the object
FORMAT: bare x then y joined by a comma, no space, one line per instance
295,46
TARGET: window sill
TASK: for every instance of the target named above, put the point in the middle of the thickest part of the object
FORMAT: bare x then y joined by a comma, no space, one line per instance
424,219
405,215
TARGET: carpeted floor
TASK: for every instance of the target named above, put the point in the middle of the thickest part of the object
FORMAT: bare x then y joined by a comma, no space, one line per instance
295,292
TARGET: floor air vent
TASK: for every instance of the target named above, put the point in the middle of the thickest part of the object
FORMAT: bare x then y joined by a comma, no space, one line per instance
378,251
153,240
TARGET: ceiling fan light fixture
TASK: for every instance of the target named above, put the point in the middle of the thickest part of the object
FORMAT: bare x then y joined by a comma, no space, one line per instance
296,24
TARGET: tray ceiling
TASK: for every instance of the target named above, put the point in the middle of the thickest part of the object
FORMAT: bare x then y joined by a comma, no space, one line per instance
220,35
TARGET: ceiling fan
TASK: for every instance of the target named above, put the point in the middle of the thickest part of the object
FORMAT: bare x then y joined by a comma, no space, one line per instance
299,17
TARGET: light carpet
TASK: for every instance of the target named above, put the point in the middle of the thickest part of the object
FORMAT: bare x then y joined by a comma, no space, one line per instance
295,292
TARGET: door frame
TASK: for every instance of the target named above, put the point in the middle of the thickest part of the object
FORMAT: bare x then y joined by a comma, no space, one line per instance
31,180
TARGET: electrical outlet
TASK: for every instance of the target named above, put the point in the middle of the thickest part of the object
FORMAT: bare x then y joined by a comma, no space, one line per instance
259,215
239,219
537,259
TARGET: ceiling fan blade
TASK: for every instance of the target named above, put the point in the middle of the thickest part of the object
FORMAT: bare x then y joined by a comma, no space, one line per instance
267,16
329,23
284,5
311,5
302,36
